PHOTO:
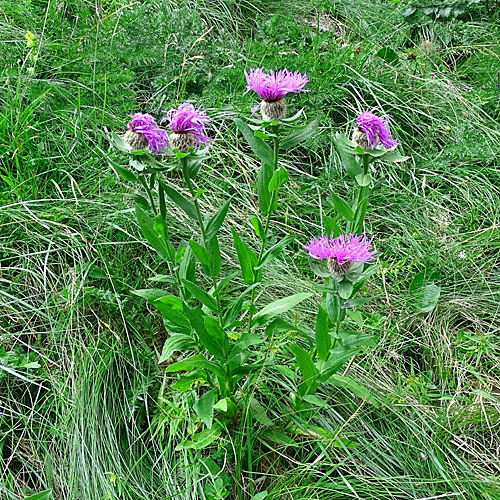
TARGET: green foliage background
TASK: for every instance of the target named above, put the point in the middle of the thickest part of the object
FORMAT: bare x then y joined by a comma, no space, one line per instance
79,380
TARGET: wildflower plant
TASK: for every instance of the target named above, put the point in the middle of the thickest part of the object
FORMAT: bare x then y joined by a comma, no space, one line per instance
225,341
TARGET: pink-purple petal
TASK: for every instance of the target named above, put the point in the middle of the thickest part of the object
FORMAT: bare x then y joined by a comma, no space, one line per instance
376,129
145,124
275,85
343,248
187,118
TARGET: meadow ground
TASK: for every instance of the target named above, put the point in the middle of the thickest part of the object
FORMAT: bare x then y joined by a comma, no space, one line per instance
86,410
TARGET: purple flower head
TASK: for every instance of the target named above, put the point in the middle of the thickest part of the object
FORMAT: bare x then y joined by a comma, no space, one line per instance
343,249
145,124
188,119
376,129
275,85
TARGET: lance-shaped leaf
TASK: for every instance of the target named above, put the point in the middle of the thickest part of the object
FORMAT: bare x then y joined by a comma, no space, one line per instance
184,204
258,145
300,135
280,306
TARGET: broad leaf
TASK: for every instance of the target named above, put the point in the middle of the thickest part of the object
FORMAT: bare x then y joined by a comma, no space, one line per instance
278,307
201,439
342,207
300,135
147,226
306,365
201,253
123,172
175,343
246,258
264,196
217,341
201,295
258,145
185,205
274,251
204,408
279,178
216,221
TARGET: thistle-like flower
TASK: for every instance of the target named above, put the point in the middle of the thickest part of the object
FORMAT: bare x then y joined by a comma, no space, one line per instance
188,126
372,130
341,252
143,132
272,87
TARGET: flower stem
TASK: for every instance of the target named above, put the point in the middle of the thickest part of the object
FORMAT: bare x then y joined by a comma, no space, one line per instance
274,196
142,180
187,178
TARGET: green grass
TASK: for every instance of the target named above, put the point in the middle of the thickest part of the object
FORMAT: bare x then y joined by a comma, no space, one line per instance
80,386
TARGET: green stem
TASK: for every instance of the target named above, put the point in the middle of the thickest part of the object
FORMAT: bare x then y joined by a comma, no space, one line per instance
142,180
274,196
187,178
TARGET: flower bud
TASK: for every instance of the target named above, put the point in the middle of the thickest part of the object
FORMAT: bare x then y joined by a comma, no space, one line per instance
182,141
334,266
273,110
360,139
134,141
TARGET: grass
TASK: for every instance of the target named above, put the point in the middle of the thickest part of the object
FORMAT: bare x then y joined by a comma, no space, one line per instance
81,412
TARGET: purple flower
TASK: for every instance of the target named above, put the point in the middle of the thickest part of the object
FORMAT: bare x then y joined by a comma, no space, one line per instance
376,129
343,249
188,119
275,85
145,125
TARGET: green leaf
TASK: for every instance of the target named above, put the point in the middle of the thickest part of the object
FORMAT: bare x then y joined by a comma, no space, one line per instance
43,495
319,269
257,225
246,258
123,172
187,269
215,255
232,313
217,341
363,179
345,289
392,156
280,306
306,365
424,293
204,408
274,251
332,306
147,226
425,299
216,221
185,205
331,227
201,253
201,295
264,196
196,362
175,343
172,308
323,337
279,178
259,413
201,439
260,496
342,207
298,136
387,54
358,389
259,146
